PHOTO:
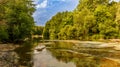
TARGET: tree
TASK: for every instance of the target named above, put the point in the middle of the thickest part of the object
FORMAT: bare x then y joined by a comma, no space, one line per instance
38,30
16,15
19,20
92,19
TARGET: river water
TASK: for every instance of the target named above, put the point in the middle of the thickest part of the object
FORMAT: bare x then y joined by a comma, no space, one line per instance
40,53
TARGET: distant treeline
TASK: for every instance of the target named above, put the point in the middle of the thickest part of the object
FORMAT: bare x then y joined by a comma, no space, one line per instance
38,30
91,20
16,21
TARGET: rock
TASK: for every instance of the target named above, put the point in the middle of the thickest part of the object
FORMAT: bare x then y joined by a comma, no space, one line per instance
106,45
40,48
117,47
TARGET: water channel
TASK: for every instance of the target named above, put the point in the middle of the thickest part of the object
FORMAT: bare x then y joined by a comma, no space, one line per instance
59,53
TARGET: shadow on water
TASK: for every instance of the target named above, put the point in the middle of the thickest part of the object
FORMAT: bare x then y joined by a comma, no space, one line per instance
21,56
25,52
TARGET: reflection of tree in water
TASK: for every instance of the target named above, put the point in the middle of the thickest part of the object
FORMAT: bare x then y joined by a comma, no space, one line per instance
61,45
64,51
79,59
83,56
102,52
25,53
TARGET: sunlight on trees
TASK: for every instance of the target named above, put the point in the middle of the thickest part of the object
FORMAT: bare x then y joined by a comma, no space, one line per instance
91,20
16,21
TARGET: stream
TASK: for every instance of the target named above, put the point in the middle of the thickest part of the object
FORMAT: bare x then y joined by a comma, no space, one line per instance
82,54
60,53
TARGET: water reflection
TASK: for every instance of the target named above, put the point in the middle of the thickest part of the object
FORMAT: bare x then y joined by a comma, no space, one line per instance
25,53
80,56
21,56
79,60
86,48
63,54
66,54
45,59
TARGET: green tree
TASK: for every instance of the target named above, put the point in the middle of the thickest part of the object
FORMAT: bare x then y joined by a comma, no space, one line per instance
16,19
38,30
91,20
19,19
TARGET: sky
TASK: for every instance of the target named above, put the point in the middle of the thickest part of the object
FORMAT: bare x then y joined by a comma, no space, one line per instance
45,9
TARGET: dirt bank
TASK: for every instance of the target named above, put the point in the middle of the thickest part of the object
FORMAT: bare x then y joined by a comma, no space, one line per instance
7,47
103,44
109,62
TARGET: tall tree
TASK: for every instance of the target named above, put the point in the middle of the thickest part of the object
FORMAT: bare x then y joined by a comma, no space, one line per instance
18,18
92,19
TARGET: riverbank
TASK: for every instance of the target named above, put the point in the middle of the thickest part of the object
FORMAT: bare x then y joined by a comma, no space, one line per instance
115,44
109,62
8,47
100,40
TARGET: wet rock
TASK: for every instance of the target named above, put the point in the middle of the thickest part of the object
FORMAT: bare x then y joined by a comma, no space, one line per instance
117,47
40,48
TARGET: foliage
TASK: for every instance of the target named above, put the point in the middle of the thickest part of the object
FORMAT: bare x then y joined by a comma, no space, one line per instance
16,19
38,30
92,19
54,26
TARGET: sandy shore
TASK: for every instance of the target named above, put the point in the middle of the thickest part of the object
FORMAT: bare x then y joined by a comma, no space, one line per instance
7,47
109,62
101,44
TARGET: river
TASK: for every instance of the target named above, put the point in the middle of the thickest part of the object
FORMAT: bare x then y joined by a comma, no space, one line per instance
60,53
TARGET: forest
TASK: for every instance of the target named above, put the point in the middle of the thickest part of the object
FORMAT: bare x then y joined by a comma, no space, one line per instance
16,21
91,20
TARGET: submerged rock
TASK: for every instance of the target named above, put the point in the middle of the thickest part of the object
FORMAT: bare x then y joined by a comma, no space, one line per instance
40,48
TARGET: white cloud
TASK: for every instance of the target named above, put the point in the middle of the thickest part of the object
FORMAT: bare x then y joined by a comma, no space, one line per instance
43,4
117,0
35,1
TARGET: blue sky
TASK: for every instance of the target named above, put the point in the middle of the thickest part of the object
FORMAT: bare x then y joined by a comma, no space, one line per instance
45,9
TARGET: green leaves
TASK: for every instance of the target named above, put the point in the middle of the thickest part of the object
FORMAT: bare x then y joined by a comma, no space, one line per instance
92,19
18,19
3,33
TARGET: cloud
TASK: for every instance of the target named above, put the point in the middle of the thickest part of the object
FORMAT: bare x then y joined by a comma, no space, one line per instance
35,1
42,5
45,9
117,0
